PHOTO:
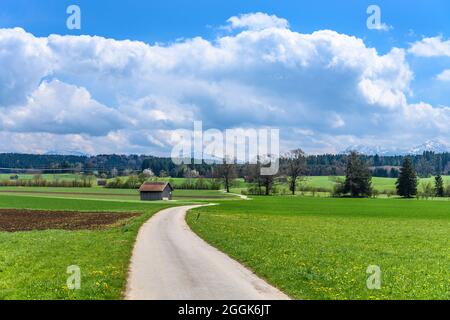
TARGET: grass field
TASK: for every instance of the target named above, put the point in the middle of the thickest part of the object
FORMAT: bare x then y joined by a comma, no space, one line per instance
327,183
311,248
33,264
49,177
113,194
320,248
380,184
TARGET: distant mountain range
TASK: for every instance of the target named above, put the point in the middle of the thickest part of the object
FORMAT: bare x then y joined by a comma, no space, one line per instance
370,150
66,153
430,145
435,146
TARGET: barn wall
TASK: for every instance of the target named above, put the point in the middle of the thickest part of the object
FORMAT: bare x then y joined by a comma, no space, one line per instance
167,193
151,196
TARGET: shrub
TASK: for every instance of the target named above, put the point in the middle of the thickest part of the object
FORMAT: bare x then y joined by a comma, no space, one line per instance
426,190
375,193
255,190
39,182
134,182
338,189
447,191
389,193
198,184
116,183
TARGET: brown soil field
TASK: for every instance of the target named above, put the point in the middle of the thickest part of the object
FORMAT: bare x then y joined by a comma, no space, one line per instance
14,220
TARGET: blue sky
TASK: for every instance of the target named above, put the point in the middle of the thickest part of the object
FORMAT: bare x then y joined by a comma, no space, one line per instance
164,21
412,78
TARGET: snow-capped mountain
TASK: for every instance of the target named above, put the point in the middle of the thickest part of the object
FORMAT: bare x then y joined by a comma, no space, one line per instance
435,146
430,145
370,150
66,153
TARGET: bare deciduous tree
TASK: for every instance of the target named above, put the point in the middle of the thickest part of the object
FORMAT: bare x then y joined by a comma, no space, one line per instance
262,184
267,182
294,166
226,172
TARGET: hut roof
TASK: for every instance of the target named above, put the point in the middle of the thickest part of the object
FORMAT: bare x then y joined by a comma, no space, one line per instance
154,186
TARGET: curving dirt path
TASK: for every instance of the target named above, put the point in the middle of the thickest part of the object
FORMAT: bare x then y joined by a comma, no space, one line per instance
170,262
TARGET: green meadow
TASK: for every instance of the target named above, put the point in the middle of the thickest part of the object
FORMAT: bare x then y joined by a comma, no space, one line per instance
33,264
379,184
113,194
49,177
311,248
239,185
320,248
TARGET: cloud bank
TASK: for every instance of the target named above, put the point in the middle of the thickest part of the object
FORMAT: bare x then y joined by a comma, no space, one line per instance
324,90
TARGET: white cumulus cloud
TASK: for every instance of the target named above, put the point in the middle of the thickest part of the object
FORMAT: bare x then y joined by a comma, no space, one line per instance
257,21
129,96
431,47
444,75
24,61
56,107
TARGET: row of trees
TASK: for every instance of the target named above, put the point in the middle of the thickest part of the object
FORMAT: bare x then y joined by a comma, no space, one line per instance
357,183
38,181
426,164
135,181
292,165
358,180
407,184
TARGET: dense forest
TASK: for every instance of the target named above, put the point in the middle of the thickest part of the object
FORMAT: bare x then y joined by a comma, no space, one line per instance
426,164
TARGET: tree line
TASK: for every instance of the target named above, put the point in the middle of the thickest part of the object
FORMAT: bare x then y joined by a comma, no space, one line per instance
358,180
427,164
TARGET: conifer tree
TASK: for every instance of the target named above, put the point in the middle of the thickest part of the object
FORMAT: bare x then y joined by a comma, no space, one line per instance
439,186
407,181
358,180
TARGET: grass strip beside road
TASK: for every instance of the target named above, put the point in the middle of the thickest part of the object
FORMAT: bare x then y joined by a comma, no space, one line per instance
320,248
